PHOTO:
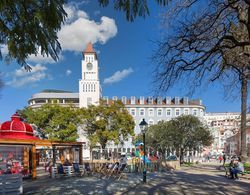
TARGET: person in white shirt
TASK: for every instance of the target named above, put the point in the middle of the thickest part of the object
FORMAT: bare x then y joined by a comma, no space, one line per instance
123,162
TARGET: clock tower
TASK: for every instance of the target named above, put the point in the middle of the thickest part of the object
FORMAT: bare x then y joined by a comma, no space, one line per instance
89,85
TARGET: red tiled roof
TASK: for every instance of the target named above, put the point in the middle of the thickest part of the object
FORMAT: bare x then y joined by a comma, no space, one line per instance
89,48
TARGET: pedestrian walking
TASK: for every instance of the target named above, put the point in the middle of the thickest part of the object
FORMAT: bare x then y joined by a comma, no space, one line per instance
220,158
224,158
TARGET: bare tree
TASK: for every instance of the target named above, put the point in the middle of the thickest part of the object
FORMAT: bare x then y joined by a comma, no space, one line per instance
209,42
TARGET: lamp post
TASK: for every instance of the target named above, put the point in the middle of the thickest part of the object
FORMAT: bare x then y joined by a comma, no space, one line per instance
143,126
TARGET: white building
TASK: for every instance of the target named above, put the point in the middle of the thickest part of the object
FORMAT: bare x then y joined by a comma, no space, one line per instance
222,126
152,109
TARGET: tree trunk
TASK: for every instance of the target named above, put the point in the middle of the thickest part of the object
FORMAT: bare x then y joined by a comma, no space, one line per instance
244,84
181,155
91,156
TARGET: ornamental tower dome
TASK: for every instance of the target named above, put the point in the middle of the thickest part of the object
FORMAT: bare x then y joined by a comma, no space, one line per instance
16,129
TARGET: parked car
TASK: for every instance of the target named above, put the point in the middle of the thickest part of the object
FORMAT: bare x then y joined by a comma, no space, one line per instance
172,158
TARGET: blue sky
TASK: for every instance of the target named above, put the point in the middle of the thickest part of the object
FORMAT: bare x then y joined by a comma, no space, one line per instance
124,50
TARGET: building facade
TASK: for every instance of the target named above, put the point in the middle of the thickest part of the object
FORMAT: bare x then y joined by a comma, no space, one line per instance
222,127
157,109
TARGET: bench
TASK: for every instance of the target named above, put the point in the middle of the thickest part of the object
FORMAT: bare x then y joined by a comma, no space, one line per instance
68,170
11,184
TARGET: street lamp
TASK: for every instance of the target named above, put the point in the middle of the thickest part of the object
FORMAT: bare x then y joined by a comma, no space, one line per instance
143,126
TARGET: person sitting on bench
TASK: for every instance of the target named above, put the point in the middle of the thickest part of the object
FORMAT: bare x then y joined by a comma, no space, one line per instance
236,167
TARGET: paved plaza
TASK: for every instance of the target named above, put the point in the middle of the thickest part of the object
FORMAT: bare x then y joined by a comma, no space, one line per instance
200,179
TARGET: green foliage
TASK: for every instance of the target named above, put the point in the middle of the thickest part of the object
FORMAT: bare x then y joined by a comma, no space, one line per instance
56,122
105,123
187,132
30,27
184,133
132,8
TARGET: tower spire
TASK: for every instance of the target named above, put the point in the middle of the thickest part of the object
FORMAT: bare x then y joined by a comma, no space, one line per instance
89,50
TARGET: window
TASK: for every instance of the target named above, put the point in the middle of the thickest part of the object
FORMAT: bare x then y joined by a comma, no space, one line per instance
159,112
150,100
185,100
91,87
132,112
142,112
177,112
20,155
159,100
151,112
40,101
195,112
176,100
248,139
186,112
201,111
168,100
151,122
168,112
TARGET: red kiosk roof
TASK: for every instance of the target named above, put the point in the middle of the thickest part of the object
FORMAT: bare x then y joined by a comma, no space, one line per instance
16,129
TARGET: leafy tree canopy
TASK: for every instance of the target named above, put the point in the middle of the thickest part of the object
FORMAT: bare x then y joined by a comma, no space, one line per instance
56,122
105,123
133,8
181,134
30,27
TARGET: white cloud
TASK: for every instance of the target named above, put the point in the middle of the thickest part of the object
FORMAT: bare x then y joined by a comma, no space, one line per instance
68,72
118,76
21,77
80,30
73,13
77,32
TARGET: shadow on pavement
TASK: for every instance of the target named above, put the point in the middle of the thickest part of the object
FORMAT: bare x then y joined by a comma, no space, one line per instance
192,183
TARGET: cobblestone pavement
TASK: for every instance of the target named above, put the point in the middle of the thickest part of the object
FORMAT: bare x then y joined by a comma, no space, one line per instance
201,179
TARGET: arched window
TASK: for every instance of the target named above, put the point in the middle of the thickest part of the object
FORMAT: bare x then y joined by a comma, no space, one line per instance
150,112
